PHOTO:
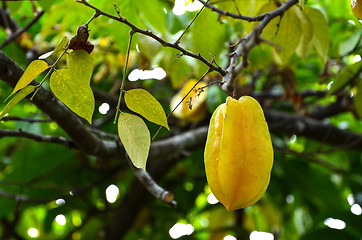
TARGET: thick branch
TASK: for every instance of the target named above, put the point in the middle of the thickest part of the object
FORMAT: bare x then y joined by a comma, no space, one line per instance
284,123
250,41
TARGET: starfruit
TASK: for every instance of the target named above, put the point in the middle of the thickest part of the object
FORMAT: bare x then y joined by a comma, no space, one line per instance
238,153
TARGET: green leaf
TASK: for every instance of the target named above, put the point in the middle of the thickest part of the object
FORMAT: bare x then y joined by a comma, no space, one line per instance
289,34
78,97
143,103
34,69
80,67
321,38
207,40
152,11
135,138
46,4
358,100
347,74
17,98
61,45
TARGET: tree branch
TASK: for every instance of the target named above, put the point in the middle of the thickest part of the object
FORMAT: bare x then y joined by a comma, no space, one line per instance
152,187
233,15
157,38
13,36
250,41
36,137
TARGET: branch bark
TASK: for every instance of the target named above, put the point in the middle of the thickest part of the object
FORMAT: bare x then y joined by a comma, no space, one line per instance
244,47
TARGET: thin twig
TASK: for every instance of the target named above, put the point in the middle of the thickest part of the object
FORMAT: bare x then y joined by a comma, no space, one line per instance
192,21
233,15
36,137
124,75
29,120
173,110
12,37
163,42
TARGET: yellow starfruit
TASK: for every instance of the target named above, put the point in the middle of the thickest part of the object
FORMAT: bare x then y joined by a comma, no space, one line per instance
238,153
357,8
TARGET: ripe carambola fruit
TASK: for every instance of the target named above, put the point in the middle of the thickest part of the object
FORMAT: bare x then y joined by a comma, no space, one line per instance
238,153
357,8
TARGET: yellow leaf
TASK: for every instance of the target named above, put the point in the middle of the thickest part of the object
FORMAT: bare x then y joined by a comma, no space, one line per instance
34,69
17,98
80,66
78,97
135,138
143,103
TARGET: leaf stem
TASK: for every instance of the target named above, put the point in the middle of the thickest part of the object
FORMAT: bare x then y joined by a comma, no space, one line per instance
124,75
48,73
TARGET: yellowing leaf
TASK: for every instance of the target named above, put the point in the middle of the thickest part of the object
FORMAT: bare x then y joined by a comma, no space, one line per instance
17,98
78,97
135,138
302,2
289,34
320,31
270,30
143,103
307,35
80,66
358,100
34,69
61,45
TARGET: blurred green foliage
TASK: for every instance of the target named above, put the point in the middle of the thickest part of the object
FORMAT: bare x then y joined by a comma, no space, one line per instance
310,182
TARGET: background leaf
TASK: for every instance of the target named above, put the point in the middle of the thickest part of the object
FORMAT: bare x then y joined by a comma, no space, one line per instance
358,100
143,103
135,138
320,31
289,34
205,40
347,75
